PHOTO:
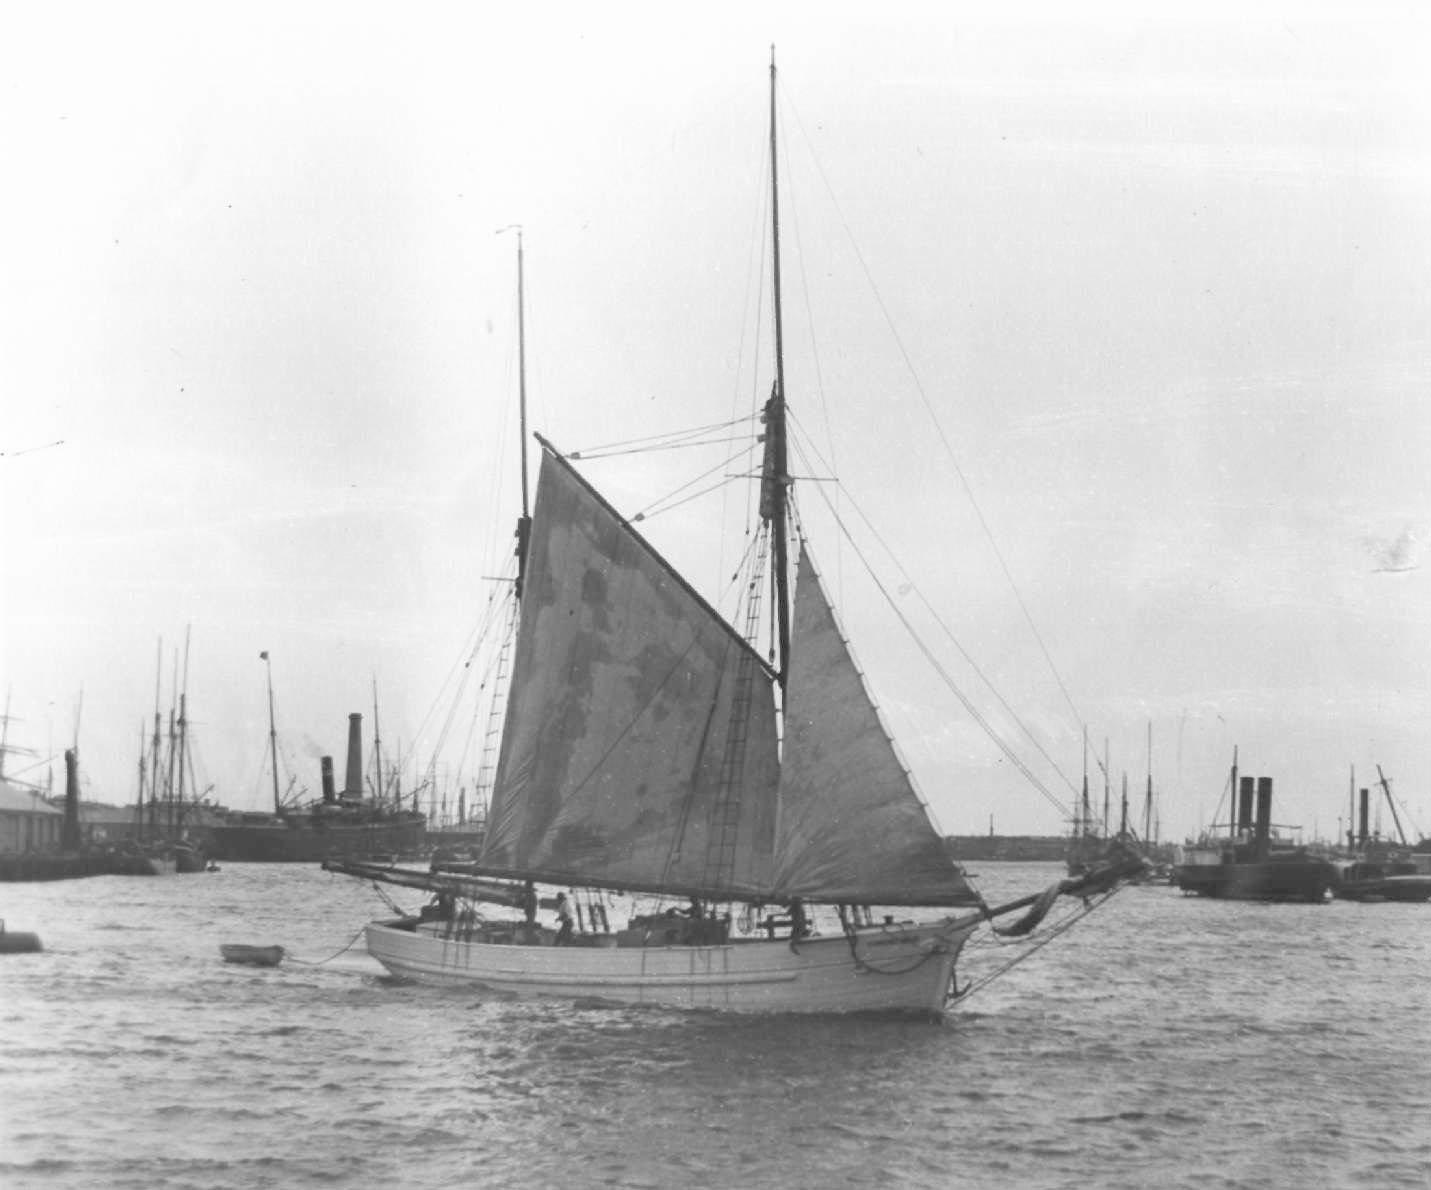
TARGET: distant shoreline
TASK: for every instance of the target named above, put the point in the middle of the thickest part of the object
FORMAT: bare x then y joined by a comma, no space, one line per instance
1012,847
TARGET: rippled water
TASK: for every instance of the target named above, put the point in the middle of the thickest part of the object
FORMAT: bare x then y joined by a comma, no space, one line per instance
1163,1042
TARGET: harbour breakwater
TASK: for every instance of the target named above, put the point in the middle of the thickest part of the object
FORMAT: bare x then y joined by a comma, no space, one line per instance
1020,848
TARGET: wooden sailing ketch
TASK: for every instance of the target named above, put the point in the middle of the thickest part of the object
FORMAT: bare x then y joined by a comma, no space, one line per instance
640,753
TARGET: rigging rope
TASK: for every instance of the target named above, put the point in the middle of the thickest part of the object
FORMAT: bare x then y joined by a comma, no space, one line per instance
669,440
319,962
806,441
934,417
655,508
1032,948
1029,775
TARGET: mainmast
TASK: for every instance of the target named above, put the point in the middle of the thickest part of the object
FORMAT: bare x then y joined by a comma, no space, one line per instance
776,478
272,732
183,731
173,748
1083,816
154,753
1148,799
524,523
379,793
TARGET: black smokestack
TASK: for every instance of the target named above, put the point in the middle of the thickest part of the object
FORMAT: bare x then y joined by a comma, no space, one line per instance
329,795
1365,833
70,828
1244,806
1264,814
353,782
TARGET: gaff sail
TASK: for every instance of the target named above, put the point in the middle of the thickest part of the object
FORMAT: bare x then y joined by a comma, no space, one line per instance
851,827
622,703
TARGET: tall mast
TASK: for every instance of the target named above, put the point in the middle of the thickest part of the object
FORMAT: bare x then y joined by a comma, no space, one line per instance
777,477
1395,817
272,732
524,523
169,780
1148,801
183,727
377,750
154,751
1106,780
173,749
1083,817
139,799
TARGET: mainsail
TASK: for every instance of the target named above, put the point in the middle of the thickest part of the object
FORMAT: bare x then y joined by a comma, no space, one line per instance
851,826
625,688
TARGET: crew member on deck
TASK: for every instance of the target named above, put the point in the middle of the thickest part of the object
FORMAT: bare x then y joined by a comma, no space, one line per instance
563,912
527,902
799,923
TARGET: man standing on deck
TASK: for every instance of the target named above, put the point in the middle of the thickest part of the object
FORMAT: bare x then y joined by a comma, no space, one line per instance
527,902
563,911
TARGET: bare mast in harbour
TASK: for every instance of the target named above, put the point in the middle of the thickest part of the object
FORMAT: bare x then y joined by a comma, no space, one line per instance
524,522
272,732
776,479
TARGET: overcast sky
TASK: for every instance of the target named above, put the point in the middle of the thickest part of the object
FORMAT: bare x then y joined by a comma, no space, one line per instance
1157,289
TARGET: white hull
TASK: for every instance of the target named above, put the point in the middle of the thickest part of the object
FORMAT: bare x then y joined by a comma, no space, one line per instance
898,968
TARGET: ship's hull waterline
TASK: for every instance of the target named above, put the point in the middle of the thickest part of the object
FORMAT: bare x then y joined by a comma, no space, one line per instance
286,842
903,968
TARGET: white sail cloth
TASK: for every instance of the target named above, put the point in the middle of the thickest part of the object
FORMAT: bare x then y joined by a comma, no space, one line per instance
623,690
640,748
851,826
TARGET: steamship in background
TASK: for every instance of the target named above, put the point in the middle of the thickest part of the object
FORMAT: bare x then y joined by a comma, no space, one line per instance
343,824
1252,861
1376,868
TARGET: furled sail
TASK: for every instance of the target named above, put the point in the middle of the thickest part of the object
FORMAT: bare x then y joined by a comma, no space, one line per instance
851,826
632,708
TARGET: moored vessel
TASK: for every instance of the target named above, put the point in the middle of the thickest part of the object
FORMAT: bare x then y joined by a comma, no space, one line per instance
342,823
1251,861
1376,870
649,746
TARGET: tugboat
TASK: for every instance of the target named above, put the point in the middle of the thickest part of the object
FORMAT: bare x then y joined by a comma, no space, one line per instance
1250,863
1377,871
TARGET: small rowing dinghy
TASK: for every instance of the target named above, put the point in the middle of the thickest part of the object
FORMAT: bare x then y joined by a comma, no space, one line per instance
254,956
18,941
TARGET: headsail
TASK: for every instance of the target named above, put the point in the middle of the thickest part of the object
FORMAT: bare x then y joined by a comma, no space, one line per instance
623,694
851,827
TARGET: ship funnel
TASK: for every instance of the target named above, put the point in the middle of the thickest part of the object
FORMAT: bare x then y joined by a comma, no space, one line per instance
70,828
1244,806
329,795
353,781
1365,835
1264,814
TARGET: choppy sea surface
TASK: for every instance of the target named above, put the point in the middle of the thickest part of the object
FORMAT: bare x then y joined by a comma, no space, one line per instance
1164,1042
